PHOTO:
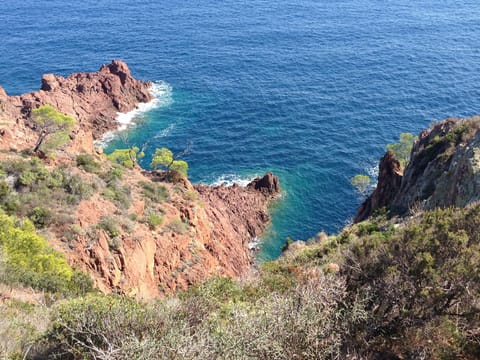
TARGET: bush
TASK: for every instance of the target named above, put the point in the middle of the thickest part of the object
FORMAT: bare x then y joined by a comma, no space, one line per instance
118,194
109,225
154,220
88,163
154,192
41,217
214,320
177,226
112,175
361,183
402,149
88,327
29,260
427,274
126,157
77,188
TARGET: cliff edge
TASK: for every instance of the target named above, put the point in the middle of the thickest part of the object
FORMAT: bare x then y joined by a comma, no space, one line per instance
443,171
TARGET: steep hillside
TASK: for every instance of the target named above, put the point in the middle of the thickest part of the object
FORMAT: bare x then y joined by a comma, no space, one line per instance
380,289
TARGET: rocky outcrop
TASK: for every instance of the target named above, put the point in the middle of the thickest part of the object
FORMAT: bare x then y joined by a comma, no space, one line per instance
93,99
268,184
389,181
444,170
202,231
205,232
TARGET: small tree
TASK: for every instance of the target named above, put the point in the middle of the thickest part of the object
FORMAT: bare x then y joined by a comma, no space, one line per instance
126,157
402,149
164,159
361,183
53,127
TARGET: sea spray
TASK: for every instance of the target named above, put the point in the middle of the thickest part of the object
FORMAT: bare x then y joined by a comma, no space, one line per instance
233,179
162,97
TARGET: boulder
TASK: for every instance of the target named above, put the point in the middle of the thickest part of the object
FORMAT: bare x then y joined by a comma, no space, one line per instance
269,183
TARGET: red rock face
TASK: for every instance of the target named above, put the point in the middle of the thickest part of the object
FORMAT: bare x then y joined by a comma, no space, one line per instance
93,99
389,181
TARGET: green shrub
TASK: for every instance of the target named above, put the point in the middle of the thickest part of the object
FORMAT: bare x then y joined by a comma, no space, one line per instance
154,192
126,157
41,217
177,226
154,220
118,194
27,178
402,149
77,188
29,260
115,173
88,163
361,183
100,327
109,225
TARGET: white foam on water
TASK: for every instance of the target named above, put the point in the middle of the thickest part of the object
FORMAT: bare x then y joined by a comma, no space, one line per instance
254,244
372,171
232,179
165,131
162,97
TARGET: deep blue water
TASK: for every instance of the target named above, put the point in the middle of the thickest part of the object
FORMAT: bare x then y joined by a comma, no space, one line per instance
311,90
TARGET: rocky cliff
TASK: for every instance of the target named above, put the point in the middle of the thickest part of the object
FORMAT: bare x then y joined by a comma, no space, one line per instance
130,230
204,231
93,99
444,170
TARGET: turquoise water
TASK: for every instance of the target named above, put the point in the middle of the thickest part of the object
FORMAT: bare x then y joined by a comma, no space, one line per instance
311,90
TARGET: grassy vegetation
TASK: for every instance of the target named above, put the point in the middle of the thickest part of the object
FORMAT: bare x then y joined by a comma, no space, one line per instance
154,192
407,289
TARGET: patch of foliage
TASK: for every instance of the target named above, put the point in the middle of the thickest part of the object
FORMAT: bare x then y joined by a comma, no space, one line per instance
402,149
52,127
421,278
29,260
163,159
154,192
361,183
110,226
177,226
31,190
215,320
87,162
126,157
118,194
154,220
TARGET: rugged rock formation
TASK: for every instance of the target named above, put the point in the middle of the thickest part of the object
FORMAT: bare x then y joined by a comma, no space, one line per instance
93,99
389,180
444,170
201,232
268,184
205,232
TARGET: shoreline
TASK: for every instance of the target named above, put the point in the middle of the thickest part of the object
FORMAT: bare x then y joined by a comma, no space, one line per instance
158,90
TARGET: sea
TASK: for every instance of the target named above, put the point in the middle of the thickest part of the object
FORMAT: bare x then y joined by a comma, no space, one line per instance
310,90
